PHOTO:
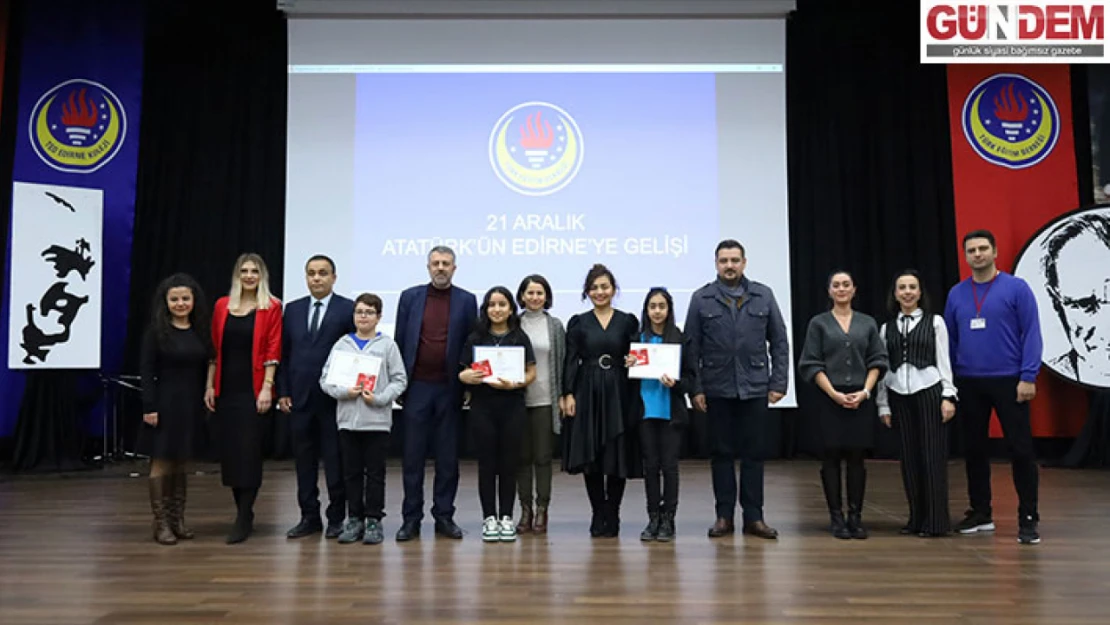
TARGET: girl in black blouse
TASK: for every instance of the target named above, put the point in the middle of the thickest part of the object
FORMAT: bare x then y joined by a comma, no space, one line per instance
174,361
600,433
497,412
844,356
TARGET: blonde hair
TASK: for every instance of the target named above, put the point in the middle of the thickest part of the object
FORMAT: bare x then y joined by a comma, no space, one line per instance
235,294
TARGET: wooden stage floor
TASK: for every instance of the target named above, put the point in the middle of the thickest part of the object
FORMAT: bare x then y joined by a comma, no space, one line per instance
78,550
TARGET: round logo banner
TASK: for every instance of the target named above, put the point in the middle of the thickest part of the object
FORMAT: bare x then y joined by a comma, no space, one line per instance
536,148
78,126
1011,121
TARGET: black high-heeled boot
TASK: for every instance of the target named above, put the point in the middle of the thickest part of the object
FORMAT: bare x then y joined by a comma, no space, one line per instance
857,480
595,490
830,483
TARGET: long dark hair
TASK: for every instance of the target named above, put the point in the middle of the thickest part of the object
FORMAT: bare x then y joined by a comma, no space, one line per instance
892,303
483,322
161,321
668,323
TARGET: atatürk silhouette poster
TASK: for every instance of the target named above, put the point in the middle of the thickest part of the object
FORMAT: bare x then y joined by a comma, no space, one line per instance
55,281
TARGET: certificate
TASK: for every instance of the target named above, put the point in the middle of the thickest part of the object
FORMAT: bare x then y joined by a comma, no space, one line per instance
347,369
504,362
655,359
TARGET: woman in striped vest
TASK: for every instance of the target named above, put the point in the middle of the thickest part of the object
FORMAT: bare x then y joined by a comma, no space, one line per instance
918,396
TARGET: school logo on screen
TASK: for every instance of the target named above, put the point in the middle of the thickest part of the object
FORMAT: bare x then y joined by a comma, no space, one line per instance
1011,121
536,148
78,126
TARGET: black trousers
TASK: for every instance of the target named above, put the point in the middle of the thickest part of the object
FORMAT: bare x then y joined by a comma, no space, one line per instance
737,428
924,437
660,443
364,472
316,437
431,420
977,397
498,430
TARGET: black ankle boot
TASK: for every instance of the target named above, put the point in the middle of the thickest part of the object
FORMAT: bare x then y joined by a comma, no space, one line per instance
666,528
597,525
651,532
837,525
855,523
612,519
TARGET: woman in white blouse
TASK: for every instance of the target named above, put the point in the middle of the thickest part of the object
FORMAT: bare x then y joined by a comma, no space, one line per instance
918,395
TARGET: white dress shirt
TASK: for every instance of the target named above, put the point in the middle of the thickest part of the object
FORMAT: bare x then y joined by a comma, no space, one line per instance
908,379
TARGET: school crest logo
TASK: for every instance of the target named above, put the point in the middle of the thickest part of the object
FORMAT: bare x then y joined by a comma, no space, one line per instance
78,126
536,148
1011,121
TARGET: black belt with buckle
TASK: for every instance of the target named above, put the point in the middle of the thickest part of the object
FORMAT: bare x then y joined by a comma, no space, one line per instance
604,361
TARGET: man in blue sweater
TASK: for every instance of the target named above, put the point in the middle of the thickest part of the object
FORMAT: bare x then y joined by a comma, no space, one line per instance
995,340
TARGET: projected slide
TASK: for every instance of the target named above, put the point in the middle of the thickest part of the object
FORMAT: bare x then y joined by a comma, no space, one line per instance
537,173
537,146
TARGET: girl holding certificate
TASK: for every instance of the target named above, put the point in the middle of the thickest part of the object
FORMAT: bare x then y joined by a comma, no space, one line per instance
365,374
497,363
661,406
176,349
541,398
600,440
845,357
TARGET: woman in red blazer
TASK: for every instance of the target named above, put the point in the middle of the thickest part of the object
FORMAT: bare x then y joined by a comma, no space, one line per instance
246,335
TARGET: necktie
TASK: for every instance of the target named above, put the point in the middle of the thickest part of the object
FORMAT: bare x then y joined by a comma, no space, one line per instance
315,324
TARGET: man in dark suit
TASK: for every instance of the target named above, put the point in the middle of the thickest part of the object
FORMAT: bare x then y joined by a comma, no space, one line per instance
312,326
433,321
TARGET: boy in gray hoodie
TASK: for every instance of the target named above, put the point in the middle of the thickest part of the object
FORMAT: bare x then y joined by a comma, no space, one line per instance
364,415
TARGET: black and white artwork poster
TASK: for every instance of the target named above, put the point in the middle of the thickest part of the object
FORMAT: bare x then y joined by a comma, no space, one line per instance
1067,264
56,275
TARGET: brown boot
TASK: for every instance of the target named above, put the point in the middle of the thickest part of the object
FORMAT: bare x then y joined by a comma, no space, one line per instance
159,503
176,513
525,524
539,524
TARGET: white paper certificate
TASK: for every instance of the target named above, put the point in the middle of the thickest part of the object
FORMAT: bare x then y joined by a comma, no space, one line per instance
345,368
655,359
506,362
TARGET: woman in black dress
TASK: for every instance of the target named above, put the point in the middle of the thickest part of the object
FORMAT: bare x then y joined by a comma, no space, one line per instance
175,352
246,337
844,356
600,436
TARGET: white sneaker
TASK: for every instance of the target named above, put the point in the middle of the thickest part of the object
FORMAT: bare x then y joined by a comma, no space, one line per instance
491,530
508,529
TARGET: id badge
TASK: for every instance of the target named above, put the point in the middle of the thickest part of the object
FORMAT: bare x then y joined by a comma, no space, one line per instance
978,323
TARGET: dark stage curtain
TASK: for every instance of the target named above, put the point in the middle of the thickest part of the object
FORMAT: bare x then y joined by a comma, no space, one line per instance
211,180
870,174
9,105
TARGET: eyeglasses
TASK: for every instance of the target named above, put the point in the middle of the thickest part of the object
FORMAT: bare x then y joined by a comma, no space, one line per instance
366,313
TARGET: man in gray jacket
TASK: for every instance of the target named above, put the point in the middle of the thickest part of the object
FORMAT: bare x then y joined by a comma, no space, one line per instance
730,323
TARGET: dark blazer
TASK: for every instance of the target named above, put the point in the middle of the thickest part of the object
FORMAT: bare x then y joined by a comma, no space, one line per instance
410,316
303,358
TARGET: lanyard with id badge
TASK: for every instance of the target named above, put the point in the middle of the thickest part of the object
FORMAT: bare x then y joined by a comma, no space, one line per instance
978,322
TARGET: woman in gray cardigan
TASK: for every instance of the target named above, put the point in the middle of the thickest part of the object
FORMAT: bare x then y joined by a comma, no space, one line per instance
541,399
845,357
